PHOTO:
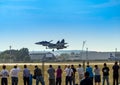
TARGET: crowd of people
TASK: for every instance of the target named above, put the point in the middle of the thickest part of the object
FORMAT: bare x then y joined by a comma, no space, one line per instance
86,77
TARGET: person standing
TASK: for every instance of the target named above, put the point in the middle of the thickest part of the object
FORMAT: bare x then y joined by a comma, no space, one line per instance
80,71
51,72
73,74
69,72
14,75
38,76
4,74
97,75
26,75
58,76
105,71
90,71
115,73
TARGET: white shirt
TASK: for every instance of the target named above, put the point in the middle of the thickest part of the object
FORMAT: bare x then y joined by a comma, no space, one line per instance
4,73
80,70
97,71
14,72
68,71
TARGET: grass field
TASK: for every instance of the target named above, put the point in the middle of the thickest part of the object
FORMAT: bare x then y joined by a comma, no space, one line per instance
31,67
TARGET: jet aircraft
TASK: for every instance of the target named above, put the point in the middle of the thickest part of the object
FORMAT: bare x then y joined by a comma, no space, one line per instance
59,45
113,58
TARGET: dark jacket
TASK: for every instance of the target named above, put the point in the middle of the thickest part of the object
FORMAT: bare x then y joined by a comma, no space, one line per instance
115,71
86,81
37,72
105,71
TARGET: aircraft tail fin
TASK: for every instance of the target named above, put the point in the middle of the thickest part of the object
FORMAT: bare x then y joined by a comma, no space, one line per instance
62,41
50,40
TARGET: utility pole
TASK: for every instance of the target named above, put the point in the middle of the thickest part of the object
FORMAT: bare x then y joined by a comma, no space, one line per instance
10,53
82,54
86,54
82,48
43,62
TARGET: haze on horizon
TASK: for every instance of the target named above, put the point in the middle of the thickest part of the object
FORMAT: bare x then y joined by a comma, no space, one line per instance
24,22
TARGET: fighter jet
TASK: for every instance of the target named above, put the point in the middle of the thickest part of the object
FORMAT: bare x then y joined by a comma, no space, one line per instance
59,45
113,58
44,43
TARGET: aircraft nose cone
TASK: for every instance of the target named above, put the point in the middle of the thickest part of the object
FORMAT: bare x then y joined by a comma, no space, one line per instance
37,43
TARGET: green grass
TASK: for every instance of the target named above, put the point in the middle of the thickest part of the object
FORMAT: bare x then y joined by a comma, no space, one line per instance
31,67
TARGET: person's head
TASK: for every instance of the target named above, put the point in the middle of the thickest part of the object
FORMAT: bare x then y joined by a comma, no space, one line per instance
105,64
86,74
4,67
15,66
96,66
36,66
79,65
88,66
65,67
59,66
68,66
50,66
72,66
116,63
25,66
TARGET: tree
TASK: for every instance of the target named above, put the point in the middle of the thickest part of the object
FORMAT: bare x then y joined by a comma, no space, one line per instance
15,55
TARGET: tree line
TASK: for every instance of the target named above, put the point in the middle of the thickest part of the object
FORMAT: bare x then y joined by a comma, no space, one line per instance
12,55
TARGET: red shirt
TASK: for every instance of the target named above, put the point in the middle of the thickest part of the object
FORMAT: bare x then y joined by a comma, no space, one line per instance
59,73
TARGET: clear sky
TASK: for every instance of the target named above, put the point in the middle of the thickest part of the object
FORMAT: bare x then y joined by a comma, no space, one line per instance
24,22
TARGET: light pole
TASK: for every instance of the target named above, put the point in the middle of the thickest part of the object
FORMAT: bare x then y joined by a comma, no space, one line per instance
10,52
82,48
43,62
82,53
86,54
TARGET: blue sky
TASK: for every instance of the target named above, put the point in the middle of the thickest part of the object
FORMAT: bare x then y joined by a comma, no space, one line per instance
24,22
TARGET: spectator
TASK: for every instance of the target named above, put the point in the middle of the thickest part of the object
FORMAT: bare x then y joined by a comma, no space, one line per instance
115,73
65,67
90,71
105,71
5,74
80,71
14,75
51,72
69,72
38,75
73,74
97,75
58,76
87,80
26,75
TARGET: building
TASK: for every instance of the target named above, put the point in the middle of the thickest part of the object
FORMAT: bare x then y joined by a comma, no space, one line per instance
42,56
93,55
